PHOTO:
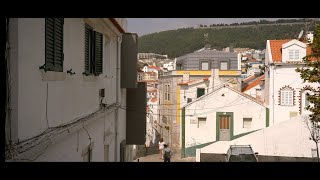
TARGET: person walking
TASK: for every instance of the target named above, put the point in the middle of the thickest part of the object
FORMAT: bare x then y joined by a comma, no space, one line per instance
167,153
161,147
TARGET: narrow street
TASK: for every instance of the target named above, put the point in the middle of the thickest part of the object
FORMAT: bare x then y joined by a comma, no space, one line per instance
155,158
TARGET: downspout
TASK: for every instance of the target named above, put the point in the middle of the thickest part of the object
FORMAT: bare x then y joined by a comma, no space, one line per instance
273,94
116,119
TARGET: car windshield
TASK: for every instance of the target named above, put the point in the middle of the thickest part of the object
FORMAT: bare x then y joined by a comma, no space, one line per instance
243,158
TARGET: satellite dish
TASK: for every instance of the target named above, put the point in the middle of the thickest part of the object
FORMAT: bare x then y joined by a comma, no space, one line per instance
300,34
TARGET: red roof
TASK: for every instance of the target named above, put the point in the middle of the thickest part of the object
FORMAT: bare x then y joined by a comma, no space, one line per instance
154,99
254,83
154,67
276,49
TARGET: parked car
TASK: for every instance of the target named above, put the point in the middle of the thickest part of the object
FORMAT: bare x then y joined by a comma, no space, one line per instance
241,153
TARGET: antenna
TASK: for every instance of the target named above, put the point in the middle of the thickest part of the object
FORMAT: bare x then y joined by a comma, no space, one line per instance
300,34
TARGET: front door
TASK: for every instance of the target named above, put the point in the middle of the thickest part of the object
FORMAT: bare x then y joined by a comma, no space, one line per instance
224,128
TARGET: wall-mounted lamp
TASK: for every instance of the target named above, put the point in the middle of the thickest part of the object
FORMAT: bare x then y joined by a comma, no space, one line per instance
222,95
70,72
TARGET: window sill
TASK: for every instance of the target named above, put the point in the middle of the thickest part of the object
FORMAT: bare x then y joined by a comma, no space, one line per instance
53,76
89,78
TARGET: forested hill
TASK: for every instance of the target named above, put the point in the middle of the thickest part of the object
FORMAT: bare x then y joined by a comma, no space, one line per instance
178,42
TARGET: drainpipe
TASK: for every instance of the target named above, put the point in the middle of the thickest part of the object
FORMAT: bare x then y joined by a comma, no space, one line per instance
273,95
116,118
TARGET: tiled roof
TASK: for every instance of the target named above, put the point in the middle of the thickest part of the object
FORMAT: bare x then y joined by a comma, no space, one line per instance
154,67
276,49
254,83
154,99
227,86
250,78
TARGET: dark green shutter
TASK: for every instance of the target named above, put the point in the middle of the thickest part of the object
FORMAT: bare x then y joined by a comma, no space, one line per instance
200,92
98,53
54,44
88,31
58,59
50,47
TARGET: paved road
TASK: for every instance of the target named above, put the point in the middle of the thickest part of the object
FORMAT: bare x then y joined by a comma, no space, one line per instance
155,158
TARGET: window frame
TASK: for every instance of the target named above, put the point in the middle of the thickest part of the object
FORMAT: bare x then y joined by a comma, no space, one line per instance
220,64
243,122
202,119
57,58
93,52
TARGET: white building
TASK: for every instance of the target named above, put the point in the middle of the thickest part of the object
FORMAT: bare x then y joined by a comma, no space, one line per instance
152,122
286,141
151,69
66,90
223,114
169,66
254,86
285,92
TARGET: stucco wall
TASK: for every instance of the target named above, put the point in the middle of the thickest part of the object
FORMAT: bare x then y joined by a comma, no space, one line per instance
285,76
41,104
213,103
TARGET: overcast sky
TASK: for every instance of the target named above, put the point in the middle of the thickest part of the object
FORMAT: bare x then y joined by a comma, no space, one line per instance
143,26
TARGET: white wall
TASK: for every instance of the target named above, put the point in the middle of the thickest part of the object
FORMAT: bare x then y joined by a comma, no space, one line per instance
67,99
288,138
285,75
241,107
293,45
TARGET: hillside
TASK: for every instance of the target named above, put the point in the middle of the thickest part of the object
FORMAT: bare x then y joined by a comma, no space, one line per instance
178,42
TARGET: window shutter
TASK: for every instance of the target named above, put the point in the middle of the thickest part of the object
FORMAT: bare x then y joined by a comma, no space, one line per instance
54,44
50,47
58,59
98,55
88,30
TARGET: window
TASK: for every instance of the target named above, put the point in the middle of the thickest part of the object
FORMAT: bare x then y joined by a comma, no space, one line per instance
167,92
189,100
202,122
306,102
294,54
200,92
204,65
286,97
93,51
54,44
223,65
247,122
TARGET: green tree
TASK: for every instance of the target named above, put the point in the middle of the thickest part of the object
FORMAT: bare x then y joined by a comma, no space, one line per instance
310,72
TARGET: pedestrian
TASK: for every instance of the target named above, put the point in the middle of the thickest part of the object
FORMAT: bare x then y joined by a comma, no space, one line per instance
161,147
167,153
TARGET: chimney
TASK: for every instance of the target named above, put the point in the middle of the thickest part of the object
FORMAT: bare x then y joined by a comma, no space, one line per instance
309,37
186,77
214,79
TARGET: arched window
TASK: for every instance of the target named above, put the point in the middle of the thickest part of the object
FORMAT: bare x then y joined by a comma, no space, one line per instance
303,100
286,96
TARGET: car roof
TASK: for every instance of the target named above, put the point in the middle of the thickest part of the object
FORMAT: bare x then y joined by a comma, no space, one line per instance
241,149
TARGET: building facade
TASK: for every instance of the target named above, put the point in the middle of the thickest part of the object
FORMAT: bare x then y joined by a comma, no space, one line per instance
224,114
66,90
285,91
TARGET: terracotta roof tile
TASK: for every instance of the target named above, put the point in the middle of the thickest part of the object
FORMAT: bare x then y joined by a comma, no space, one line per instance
154,99
276,49
254,83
